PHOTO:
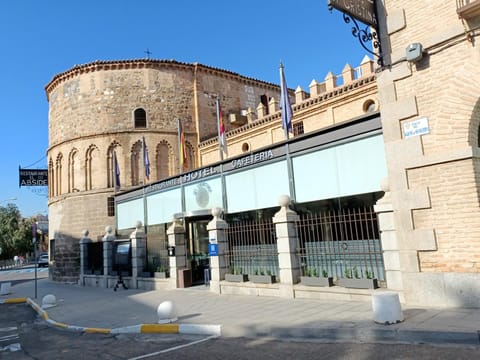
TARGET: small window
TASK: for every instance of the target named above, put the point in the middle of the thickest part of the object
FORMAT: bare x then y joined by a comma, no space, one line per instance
369,106
140,118
298,128
245,147
111,206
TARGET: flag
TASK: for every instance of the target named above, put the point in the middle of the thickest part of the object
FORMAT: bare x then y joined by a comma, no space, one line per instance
117,171
222,137
285,105
146,161
181,147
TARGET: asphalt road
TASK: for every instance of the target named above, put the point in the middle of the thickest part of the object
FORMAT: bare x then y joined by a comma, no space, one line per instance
23,335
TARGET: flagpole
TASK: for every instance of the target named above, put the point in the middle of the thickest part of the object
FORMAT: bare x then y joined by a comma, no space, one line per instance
143,160
180,162
114,171
287,115
220,149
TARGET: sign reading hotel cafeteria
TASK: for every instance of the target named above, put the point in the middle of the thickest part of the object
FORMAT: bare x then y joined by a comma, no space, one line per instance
415,127
363,10
32,177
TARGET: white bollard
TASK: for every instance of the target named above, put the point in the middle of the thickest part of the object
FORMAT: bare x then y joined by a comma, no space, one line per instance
5,288
386,308
49,301
166,313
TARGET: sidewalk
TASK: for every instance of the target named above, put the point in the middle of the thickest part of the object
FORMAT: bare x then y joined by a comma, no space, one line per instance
250,316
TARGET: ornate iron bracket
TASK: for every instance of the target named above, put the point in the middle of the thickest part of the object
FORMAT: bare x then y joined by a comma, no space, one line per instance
368,34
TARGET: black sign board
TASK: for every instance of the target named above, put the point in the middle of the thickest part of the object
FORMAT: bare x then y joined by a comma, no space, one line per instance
32,177
362,10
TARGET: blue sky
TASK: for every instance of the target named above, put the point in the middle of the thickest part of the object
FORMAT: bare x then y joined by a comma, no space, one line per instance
39,39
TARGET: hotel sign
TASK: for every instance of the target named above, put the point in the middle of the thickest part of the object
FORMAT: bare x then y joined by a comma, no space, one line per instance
362,10
33,177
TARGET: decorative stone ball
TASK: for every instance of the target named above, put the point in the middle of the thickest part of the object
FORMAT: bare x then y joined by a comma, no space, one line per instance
284,200
216,211
49,301
166,312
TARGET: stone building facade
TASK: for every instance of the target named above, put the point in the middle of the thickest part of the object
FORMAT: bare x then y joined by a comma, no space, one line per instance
432,233
106,109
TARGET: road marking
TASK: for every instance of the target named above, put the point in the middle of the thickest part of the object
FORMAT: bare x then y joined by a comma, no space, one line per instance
173,348
9,337
12,328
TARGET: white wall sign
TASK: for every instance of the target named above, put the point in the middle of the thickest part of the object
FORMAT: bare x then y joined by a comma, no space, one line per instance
415,127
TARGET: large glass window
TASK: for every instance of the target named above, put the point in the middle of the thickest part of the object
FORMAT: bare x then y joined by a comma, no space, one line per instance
128,213
161,207
356,167
203,195
257,188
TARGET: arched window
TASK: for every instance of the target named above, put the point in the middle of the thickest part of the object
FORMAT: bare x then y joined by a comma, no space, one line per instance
135,161
140,118
51,179
164,161
58,175
91,163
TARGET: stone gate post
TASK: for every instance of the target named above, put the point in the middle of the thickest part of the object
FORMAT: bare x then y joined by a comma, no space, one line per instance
217,239
107,254
139,251
84,241
177,254
287,240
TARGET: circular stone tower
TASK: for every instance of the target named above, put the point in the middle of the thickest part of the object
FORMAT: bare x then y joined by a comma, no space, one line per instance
108,109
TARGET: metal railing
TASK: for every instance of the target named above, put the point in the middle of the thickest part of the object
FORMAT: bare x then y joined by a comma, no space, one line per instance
342,244
252,247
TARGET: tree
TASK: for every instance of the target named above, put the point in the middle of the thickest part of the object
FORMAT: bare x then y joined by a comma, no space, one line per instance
15,232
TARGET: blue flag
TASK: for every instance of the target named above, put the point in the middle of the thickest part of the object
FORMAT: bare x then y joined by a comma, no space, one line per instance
117,171
146,161
285,105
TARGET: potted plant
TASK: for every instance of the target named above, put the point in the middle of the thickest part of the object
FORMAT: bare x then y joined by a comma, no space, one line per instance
236,275
312,278
160,272
353,279
262,277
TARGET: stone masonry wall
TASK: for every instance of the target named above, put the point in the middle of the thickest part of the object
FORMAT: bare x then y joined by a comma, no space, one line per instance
433,178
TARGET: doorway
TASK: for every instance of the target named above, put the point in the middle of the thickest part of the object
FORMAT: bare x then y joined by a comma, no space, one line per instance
197,247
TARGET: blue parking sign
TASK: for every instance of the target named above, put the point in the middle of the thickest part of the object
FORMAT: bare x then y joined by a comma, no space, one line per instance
213,249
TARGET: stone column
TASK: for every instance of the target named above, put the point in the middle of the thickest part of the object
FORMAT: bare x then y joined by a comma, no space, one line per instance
287,242
389,239
139,251
107,254
84,241
216,235
176,243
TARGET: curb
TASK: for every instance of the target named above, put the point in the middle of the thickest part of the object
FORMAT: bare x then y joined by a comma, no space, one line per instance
188,329
358,334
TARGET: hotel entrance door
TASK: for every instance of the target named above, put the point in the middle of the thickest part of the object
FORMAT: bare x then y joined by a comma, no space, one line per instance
197,247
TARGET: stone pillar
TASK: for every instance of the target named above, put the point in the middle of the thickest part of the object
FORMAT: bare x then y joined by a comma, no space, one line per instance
216,235
84,241
389,239
287,243
107,254
176,243
139,251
